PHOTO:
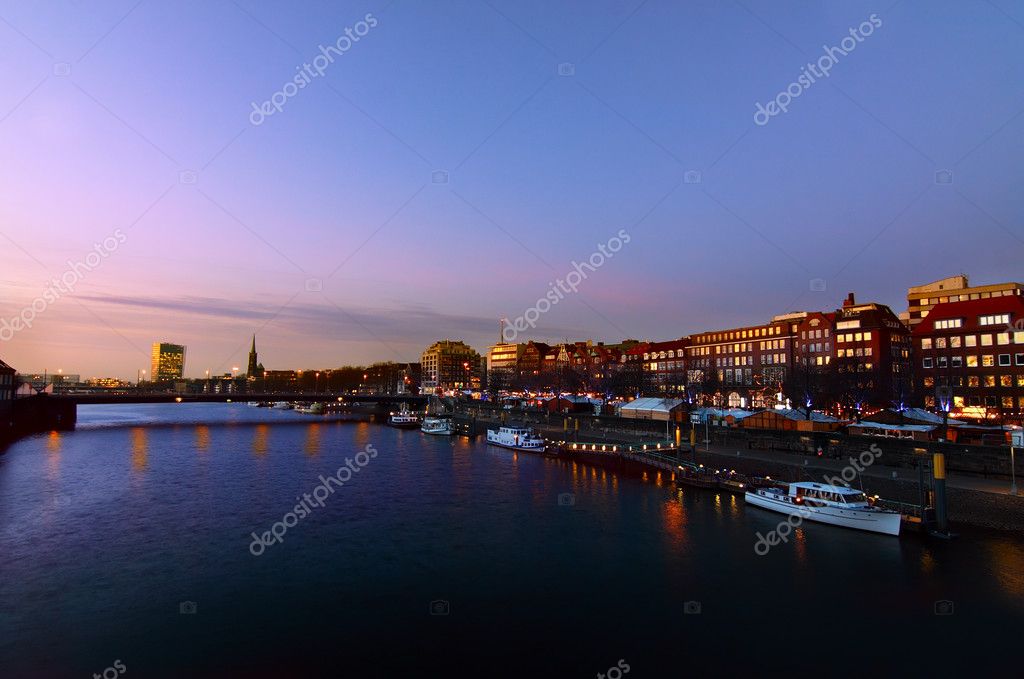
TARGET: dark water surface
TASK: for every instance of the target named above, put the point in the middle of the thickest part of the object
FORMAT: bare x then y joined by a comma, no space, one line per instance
105,532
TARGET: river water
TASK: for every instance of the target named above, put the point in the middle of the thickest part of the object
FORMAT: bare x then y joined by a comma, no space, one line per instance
131,540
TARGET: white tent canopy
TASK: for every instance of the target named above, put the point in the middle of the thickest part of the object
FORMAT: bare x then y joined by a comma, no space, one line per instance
650,408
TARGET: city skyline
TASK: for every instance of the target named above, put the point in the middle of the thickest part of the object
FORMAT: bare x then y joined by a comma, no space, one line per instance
374,214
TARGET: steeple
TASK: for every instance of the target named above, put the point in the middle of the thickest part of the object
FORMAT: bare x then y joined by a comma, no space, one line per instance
252,371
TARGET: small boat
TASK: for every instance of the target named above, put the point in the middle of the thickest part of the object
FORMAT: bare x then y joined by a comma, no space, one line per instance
312,409
253,404
404,419
516,438
834,505
439,426
282,405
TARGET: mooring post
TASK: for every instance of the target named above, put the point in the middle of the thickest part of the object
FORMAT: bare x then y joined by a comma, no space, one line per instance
939,474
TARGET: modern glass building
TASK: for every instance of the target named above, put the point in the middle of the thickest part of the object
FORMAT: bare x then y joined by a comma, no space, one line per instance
168,362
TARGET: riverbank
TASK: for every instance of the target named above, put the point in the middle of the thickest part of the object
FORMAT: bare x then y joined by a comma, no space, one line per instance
972,501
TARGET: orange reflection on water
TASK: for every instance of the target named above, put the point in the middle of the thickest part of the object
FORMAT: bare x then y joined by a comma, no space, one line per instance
53,445
312,446
674,519
259,439
202,437
140,448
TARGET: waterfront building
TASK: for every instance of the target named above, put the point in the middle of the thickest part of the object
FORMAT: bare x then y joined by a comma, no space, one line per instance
106,382
871,355
449,365
663,365
742,367
922,298
505,357
969,358
532,360
168,362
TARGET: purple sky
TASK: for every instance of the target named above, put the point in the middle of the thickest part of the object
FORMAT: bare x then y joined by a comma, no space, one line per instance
103,108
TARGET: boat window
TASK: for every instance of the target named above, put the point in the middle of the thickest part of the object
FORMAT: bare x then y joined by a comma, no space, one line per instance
855,497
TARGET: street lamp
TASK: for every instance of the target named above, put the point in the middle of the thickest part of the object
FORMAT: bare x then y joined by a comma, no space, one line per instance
316,385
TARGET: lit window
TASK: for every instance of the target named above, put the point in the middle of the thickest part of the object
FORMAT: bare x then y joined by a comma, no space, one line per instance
990,380
988,360
926,342
986,340
970,341
972,361
1003,338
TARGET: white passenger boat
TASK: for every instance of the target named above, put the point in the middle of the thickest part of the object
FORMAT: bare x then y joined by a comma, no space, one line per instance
516,438
404,419
835,505
439,426
282,405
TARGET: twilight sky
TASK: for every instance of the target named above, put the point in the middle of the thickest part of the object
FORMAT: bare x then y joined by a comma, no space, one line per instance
321,229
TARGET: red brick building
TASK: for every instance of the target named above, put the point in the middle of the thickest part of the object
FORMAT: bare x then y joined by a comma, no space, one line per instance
741,366
859,354
969,358
663,365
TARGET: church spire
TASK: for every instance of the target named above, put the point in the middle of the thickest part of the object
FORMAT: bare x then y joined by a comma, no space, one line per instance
252,371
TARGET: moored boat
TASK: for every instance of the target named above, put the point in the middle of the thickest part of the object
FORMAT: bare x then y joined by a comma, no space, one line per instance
834,505
403,419
516,438
311,409
439,426
282,405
